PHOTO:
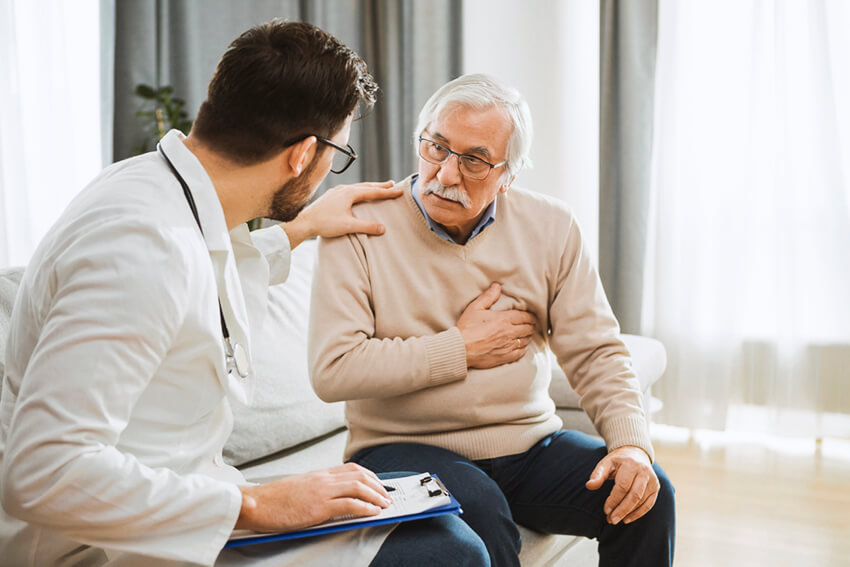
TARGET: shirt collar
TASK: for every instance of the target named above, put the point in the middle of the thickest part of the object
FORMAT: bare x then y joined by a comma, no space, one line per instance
486,219
202,190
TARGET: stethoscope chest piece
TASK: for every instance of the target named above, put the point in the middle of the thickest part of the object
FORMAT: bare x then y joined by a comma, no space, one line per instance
236,357
240,362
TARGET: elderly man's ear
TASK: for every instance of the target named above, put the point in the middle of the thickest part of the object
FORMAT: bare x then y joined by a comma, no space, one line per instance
505,186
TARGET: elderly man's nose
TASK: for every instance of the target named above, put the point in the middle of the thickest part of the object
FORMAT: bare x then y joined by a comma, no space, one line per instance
449,173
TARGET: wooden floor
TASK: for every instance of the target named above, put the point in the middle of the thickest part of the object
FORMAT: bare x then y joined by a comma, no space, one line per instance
758,501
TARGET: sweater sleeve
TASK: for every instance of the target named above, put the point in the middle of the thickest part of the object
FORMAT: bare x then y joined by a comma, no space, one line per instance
585,337
346,360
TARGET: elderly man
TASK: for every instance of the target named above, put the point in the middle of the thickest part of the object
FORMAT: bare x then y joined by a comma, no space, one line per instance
437,339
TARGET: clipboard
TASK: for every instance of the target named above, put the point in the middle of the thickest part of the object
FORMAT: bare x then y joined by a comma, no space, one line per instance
419,491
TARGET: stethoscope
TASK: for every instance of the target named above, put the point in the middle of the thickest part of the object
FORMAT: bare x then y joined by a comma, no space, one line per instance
236,357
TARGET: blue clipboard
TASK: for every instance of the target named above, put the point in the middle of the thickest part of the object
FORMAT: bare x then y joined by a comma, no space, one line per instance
453,507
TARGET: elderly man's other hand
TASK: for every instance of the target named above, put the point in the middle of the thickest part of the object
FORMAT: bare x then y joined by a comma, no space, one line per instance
493,338
304,500
635,484
331,215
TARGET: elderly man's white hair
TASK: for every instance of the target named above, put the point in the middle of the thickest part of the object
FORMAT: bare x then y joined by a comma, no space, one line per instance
480,91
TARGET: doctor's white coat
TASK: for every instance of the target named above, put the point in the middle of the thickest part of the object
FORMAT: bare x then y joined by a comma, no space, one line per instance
114,409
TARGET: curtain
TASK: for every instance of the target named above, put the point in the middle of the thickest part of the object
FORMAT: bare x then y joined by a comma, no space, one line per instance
50,144
628,36
749,263
411,48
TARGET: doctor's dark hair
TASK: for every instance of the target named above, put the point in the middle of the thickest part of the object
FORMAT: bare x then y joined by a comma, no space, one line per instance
276,82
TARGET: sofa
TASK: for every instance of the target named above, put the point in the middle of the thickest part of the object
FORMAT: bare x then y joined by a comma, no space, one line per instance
288,429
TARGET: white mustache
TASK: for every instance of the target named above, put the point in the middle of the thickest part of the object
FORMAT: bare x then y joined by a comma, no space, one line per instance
453,193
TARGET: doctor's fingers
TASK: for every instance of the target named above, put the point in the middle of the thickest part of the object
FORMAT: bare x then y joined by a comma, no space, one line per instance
353,471
365,226
350,467
357,488
350,506
374,191
368,184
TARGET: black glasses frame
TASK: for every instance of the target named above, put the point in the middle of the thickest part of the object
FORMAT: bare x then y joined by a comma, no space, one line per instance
454,153
348,151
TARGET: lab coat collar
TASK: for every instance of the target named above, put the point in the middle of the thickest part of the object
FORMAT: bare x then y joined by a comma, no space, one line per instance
221,252
203,191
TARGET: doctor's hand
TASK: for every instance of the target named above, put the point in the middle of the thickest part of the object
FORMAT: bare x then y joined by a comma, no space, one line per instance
635,484
305,500
493,338
330,215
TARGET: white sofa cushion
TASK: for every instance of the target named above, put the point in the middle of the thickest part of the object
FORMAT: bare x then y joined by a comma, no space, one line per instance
649,360
285,410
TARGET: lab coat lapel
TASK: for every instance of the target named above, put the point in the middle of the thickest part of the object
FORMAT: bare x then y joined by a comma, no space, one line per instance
221,253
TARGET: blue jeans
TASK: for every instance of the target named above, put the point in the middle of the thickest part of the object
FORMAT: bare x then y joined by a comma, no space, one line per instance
441,541
542,489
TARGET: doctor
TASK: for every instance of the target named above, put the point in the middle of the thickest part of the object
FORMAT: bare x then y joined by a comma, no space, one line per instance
132,326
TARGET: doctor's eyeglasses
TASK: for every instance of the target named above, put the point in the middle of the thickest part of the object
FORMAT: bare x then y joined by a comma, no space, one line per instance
343,156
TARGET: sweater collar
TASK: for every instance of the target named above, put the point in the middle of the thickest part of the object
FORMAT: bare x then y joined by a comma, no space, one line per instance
488,218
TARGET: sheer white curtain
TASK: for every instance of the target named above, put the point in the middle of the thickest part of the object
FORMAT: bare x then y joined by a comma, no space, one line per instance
50,138
750,258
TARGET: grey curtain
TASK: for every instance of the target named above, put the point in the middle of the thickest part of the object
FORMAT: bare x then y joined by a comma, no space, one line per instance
628,44
411,47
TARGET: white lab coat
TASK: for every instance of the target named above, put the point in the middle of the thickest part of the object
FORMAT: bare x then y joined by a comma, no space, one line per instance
115,401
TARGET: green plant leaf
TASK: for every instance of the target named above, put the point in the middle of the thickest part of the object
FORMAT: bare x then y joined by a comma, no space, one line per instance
145,91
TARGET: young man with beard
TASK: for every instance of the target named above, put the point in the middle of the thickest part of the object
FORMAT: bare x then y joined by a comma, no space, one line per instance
132,324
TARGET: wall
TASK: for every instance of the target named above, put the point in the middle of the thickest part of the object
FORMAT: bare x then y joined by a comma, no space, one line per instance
549,50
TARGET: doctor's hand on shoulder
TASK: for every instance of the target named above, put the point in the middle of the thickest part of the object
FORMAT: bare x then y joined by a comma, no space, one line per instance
330,215
304,500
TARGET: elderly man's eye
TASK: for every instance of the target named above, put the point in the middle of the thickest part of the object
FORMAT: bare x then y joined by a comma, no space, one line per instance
474,163
437,149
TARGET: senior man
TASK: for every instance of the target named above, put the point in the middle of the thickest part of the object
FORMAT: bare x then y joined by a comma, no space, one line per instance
437,339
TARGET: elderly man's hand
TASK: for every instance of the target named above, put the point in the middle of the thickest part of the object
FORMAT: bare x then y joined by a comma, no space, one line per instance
493,338
635,484
331,214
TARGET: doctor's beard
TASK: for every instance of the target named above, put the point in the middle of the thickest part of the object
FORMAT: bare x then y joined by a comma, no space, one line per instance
452,193
290,199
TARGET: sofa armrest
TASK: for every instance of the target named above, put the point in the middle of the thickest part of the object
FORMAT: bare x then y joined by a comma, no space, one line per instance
648,357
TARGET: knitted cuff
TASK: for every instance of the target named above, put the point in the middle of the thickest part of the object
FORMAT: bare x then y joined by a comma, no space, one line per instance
446,356
629,430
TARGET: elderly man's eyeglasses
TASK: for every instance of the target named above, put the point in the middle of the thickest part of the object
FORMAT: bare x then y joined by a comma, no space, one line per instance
470,166
343,156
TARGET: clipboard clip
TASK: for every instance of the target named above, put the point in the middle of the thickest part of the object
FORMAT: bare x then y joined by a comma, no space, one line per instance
436,489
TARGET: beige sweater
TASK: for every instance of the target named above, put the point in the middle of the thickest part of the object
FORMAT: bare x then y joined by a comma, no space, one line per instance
383,335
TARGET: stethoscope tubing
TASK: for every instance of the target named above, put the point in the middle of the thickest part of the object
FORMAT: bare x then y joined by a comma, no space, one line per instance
230,348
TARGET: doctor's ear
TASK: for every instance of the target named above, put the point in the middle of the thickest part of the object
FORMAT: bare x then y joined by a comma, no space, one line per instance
299,155
507,185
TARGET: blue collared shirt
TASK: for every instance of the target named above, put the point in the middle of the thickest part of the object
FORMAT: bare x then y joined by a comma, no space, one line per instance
486,219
